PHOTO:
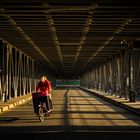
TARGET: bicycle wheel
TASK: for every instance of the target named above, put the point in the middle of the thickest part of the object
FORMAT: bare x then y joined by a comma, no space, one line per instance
41,113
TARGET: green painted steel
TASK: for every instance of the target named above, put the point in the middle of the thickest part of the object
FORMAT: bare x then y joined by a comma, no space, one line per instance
67,82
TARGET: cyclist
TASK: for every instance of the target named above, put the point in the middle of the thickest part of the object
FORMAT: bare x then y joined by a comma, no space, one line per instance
44,88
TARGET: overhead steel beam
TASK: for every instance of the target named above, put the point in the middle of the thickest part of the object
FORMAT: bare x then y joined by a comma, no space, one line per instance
54,35
105,43
83,38
25,36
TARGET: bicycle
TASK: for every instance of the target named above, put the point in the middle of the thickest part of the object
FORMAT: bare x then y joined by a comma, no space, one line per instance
39,103
41,114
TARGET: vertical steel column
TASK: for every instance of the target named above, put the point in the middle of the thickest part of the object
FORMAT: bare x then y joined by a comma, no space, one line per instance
96,78
86,80
105,80
138,74
133,65
130,64
24,75
33,75
126,66
27,74
127,70
15,75
108,76
9,70
20,68
122,74
113,64
2,71
94,75
89,78
5,72
100,78
92,78
7,66
119,77
136,66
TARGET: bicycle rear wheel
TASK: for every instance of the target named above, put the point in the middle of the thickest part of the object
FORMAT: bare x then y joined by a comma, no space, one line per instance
41,113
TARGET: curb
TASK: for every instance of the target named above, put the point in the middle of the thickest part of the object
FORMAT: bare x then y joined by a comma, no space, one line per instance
5,106
127,107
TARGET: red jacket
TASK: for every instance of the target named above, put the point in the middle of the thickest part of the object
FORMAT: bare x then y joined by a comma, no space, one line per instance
44,87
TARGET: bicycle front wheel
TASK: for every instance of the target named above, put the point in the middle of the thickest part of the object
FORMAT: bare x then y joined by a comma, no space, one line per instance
41,114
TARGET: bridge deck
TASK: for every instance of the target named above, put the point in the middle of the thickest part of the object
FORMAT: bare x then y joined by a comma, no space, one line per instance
74,111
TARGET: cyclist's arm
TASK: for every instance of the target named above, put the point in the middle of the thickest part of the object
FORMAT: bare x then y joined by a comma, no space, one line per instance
50,95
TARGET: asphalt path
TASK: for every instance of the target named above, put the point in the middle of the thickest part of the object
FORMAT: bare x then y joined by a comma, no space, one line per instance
76,114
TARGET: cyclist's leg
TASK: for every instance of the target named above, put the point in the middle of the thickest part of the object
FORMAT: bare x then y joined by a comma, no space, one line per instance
44,104
50,103
47,106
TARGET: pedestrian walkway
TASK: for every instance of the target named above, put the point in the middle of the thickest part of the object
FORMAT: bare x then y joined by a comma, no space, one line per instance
5,106
125,103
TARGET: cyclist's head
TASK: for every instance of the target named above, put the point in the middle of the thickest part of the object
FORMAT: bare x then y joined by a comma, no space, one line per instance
43,78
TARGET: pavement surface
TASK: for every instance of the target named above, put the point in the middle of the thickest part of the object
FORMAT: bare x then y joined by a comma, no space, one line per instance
133,107
70,121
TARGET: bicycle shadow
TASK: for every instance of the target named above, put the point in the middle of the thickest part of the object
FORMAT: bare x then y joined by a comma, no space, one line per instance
8,119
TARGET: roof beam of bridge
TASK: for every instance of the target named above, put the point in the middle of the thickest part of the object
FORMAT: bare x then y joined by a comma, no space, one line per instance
55,38
25,36
105,43
86,29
